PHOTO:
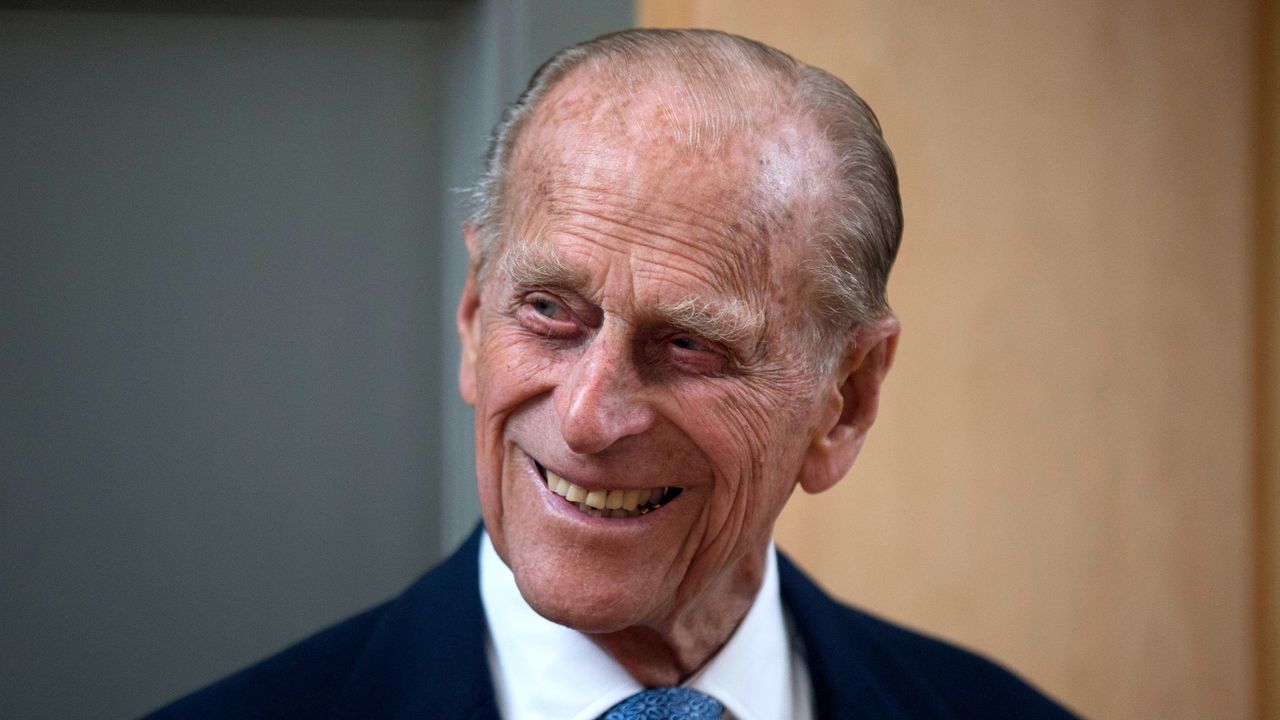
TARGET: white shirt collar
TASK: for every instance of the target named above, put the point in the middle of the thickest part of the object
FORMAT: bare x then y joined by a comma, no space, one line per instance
544,670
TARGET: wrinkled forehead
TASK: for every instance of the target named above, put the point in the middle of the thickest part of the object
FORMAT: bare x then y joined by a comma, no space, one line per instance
743,181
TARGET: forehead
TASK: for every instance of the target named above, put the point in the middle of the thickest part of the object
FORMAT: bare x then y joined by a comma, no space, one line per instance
651,170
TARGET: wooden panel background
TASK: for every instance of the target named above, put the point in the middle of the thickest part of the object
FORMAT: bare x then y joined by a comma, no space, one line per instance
1267,376
1064,473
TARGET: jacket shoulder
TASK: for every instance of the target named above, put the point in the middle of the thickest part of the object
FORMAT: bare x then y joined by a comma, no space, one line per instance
859,660
302,681
969,684
373,664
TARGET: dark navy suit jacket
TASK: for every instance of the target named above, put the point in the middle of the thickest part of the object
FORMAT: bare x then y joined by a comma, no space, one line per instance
422,655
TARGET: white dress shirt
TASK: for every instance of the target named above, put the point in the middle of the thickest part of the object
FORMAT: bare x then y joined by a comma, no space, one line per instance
545,671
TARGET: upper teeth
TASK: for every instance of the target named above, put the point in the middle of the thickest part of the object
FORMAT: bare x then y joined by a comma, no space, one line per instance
623,503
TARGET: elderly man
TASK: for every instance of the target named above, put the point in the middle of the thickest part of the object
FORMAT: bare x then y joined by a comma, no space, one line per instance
675,314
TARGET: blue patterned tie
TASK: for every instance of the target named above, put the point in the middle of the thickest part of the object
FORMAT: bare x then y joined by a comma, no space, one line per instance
669,703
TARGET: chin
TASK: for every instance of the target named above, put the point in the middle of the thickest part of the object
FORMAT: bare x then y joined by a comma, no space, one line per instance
605,607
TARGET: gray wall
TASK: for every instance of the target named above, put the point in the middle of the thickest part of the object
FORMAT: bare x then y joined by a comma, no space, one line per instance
228,261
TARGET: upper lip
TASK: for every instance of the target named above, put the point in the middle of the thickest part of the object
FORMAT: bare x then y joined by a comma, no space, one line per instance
584,481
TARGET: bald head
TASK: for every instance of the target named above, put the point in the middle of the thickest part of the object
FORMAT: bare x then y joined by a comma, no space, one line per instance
811,161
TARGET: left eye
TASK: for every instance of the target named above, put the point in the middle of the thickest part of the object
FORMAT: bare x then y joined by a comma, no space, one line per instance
697,356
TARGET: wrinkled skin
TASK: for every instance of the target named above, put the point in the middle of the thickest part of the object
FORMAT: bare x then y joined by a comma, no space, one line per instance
589,372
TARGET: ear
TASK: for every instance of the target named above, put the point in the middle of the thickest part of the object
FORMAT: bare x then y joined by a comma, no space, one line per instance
849,407
468,323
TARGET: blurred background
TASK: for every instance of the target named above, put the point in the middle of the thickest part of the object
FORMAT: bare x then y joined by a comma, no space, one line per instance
229,254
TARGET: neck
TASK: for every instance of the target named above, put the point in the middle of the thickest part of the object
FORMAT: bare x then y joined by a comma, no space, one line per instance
671,651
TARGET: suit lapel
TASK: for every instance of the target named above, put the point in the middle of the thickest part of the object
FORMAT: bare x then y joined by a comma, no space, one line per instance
426,658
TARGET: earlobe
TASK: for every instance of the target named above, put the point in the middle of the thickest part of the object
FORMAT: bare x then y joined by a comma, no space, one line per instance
850,407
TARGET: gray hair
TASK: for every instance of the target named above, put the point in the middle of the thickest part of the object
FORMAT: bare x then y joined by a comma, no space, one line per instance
856,239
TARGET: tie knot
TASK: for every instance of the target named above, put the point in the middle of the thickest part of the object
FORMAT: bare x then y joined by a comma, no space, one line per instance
669,703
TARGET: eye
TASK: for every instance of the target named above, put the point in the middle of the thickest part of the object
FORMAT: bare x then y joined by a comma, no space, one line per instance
546,307
697,356
686,343
547,315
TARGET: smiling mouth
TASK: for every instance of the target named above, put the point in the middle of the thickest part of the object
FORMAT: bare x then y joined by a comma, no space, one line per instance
609,503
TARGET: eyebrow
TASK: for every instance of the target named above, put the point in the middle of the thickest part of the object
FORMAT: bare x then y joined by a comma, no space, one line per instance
733,322
530,265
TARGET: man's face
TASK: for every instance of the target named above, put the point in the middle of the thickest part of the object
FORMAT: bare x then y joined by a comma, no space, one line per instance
639,337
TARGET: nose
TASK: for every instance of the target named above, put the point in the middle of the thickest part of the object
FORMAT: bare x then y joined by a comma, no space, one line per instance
600,401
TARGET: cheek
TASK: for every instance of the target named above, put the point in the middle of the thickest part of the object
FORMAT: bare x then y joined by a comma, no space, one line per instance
510,366
750,438
752,425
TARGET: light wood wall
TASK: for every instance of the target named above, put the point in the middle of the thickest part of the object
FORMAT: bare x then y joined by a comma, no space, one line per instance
1267,375
1065,472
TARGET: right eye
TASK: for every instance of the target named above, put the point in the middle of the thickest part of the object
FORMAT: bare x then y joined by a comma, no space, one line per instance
547,307
547,315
